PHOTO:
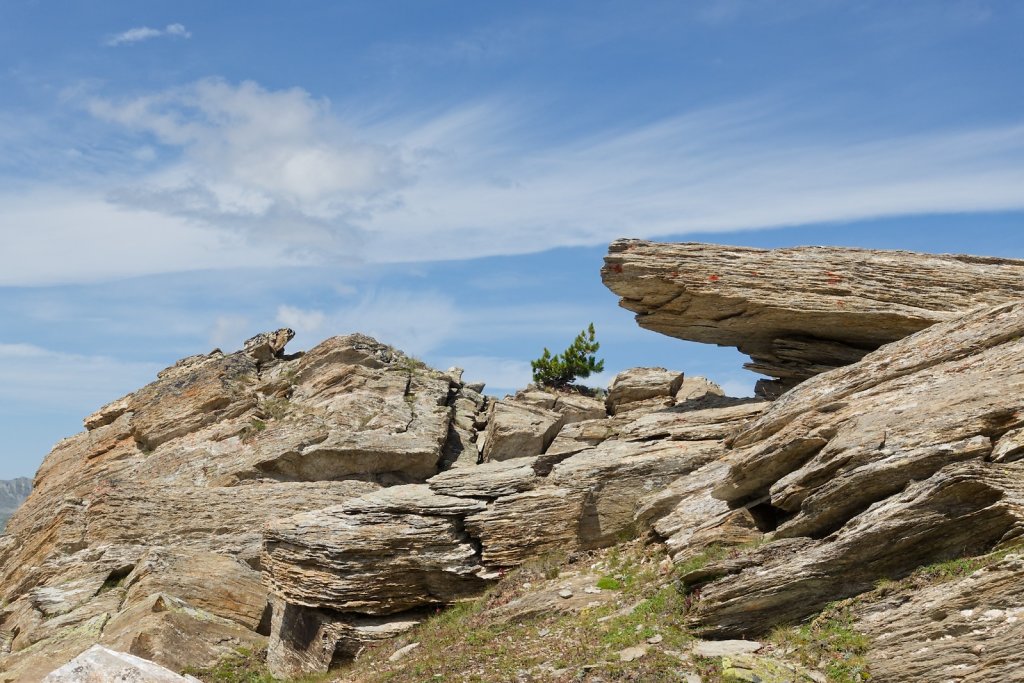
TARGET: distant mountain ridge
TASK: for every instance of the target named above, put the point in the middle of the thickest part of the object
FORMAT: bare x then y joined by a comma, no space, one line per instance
13,493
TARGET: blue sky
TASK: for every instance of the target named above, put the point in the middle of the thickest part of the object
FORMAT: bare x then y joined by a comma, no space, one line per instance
176,176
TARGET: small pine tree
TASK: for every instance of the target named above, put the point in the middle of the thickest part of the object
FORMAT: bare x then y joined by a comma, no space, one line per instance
577,361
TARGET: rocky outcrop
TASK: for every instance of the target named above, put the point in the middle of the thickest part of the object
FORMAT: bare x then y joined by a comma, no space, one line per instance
174,483
343,495
801,311
399,552
872,470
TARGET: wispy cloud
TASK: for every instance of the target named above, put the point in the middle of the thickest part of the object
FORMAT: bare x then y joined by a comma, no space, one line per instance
104,240
59,380
416,322
142,33
242,175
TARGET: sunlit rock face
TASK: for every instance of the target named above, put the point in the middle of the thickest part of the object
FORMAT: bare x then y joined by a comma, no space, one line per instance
802,311
173,484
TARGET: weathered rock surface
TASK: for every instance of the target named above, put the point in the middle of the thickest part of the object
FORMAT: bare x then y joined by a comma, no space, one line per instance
101,665
968,630
801,311
401,550
875,469
174,483
312,639
343,495
519,430
647,387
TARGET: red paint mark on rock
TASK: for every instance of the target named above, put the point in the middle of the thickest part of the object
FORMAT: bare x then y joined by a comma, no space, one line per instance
714,278
615,267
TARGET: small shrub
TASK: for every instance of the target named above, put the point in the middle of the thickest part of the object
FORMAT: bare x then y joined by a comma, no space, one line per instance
577,361
276,408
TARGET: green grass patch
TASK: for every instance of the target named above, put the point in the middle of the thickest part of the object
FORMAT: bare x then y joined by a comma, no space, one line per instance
830,644
473,642
246,665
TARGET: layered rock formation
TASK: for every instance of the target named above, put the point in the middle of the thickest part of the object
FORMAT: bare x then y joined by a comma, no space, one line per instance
342,495
173,484
344,575
801,311
967,630
911,456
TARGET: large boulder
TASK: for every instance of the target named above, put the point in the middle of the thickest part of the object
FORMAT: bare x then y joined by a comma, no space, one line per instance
643,388
519,430
801,311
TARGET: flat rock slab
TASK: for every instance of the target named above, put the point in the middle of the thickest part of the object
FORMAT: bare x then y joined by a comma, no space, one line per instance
801,311
100,665
725,648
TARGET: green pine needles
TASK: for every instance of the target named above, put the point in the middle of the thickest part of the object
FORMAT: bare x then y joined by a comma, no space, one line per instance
577,361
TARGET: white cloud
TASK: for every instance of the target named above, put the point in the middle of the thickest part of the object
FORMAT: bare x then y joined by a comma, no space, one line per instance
270,163
730,169
468,182
414,322
56,235
242,175
302,321
229,332
55,380
177,30
142,33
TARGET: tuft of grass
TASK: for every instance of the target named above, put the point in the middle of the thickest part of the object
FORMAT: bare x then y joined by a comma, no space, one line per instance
473,642
829,643
950,569
547,566
246,665
243,666
609,583
275,408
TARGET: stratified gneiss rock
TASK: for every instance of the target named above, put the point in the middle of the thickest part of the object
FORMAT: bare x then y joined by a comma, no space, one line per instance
872,470
393,554
801,311
969,630
144,532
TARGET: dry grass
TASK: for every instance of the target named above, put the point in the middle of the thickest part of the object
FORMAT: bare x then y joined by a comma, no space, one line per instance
470,643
